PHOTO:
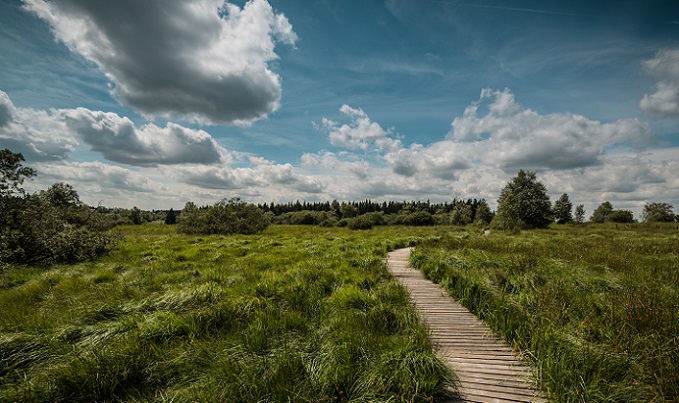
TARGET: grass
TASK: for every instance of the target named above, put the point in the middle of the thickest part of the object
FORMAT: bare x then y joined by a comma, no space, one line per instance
302,314
596,308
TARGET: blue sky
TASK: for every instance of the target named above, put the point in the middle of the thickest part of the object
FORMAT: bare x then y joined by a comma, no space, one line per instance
156,103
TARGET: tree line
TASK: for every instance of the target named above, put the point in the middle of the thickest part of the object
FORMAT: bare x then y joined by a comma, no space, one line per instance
53,225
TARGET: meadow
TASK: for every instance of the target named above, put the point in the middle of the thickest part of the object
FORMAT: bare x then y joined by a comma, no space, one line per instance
292,314
310,314
595,308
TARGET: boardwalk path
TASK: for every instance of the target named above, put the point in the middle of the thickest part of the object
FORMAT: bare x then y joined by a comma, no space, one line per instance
487,368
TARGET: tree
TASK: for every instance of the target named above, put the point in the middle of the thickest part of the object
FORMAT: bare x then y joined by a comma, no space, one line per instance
483,214
658,212
461,214
579,213
602,212
621,216
171,217
50,225
523,203
13,173
562,210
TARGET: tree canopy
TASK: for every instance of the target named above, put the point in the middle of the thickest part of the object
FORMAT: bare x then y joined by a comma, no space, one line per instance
563,210
523,203
658,212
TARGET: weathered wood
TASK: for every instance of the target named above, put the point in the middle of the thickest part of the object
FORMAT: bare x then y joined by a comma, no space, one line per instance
488,369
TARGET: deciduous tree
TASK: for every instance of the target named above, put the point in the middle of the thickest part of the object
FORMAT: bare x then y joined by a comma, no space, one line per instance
523,203
562,210
658,212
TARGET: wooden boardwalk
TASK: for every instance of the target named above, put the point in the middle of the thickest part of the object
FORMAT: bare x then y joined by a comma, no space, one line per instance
488,370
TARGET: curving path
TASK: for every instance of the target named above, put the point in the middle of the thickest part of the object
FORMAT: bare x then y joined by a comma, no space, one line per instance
487,368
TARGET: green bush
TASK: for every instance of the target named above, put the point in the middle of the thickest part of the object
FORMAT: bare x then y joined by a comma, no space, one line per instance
225,217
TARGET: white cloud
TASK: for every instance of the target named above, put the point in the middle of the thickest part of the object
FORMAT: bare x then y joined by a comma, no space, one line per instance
6,109
283,177
664,101
510,136
203,60
361,133
101,176
34,133
54,135
118,139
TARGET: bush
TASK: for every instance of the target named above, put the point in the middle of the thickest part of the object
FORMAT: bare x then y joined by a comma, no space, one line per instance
46,228
225,217
366,221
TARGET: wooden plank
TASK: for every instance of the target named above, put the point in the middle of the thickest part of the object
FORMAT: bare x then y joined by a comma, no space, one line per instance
488,369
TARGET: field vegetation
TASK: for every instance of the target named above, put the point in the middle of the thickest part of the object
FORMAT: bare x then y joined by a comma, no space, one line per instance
594,307
291,314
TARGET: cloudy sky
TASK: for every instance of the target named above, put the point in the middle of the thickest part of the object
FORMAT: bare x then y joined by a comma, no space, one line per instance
154,103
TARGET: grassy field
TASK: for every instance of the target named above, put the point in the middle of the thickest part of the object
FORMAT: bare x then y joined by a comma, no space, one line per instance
294,314
596,308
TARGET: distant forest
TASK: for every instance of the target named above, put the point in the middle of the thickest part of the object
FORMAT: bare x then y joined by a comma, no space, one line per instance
369,206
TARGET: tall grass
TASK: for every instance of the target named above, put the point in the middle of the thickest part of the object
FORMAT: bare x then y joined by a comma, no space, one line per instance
293,314
595,307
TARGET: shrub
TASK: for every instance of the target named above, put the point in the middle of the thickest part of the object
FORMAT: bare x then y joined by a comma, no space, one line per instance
225,217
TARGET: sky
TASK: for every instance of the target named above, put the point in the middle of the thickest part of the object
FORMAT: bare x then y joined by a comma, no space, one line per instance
159,102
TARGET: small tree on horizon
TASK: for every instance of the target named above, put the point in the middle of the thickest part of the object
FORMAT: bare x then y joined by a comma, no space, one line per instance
580,214
523,203
658,212
602,212
562,210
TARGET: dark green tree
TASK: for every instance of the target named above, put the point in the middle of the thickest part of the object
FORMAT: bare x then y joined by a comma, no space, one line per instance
562,210
621,216
602,212
171,217
658,212
523,203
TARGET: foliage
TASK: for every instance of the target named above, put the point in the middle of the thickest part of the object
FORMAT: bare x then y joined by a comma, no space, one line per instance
523,203
308,217
658,212
171,217
562,210
292,314
49,226
621,216
579,214
367,221
594,307
602,212
13,173
461,215
225,217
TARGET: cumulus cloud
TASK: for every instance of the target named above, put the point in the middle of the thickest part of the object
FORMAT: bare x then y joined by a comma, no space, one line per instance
204,60
53,135
361,133
34,133
6,109
102,176
664,101
511,136
118,139
263,175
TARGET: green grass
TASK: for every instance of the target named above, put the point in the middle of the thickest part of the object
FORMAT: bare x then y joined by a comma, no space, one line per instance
596,308
302,314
